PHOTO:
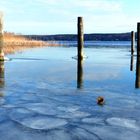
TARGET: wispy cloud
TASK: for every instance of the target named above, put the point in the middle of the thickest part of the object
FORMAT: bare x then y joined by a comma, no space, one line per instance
80,7
102,5
106,5
31,27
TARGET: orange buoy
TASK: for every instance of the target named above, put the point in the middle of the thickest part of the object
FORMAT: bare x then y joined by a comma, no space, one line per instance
100,100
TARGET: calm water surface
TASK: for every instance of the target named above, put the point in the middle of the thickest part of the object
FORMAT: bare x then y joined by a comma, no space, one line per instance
44,98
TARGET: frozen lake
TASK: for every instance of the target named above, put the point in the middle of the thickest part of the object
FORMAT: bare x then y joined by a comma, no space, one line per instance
42,96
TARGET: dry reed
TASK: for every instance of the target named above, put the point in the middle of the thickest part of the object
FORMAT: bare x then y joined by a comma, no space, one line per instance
14,43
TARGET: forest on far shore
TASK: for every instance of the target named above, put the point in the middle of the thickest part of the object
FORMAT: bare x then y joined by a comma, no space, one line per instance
87,37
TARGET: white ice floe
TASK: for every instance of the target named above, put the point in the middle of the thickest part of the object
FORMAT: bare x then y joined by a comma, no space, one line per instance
68,109
71,112
17,114
74,114
2,101
42,123
43,85
93,120
42,108
123,122
8,106
21,111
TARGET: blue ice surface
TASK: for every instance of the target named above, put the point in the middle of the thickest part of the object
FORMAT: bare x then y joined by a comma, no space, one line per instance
41,99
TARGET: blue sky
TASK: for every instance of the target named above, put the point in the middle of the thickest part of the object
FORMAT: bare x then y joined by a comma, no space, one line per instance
60,16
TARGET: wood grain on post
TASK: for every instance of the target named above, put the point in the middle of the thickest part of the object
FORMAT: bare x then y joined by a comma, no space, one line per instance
80,38
132,42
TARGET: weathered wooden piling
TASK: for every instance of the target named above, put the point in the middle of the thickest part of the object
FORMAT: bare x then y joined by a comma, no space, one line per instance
1,38
132,42
137,83
138,39
80,38
79,74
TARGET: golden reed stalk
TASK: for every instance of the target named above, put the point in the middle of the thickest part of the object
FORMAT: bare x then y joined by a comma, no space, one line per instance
14,43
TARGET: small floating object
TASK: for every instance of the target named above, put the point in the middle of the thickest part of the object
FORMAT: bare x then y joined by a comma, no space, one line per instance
6,59
100,100
76,57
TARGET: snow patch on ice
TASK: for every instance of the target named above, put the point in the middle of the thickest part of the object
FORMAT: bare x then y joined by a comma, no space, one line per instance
42,108
16,114
123,122
8,106
43,123
75,114
2,101
93,120
68,109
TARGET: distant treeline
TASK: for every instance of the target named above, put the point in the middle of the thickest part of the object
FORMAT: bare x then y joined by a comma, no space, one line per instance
88,37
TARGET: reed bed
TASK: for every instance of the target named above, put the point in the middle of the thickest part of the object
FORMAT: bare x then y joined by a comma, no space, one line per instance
14,43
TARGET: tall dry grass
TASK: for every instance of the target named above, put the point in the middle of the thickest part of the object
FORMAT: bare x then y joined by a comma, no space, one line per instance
14,43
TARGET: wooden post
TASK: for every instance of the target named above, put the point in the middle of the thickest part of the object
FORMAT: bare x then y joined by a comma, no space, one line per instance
80,38
138,39
1,37
79,74
137,83
132,42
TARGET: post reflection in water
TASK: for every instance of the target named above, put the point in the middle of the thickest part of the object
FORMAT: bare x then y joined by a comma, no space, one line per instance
1,74
137,83
132,63
79,73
